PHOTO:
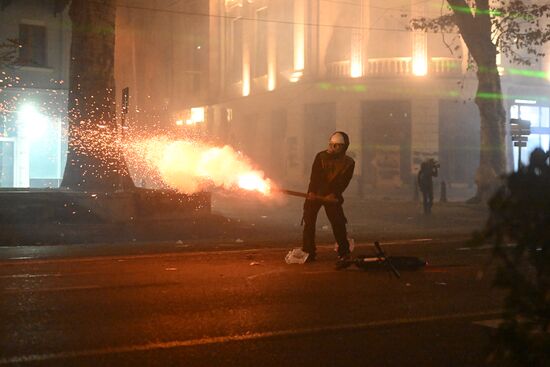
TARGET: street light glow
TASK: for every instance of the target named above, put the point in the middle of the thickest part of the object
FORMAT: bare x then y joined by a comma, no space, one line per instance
33,123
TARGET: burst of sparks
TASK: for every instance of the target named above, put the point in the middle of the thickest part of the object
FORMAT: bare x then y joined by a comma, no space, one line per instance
188,165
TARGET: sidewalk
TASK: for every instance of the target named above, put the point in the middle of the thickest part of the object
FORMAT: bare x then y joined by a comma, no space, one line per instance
371,219
252,219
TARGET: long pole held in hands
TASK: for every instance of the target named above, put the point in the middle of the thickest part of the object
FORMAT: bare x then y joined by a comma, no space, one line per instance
305,195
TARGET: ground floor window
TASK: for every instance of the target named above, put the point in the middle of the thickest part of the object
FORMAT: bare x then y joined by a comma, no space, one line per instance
7,162
33,145
540,128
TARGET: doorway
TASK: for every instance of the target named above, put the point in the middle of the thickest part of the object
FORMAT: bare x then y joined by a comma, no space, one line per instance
386,142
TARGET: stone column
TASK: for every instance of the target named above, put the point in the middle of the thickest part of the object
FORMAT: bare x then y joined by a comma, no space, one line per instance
299,35
419,59
348,119
425,131
294,145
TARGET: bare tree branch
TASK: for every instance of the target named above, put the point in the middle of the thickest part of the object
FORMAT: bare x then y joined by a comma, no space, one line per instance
8,52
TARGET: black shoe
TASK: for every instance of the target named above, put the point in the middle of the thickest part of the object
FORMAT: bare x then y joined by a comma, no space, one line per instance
310,258
344,261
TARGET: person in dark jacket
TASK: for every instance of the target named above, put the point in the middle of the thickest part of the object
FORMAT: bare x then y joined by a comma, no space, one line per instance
428,169
330,175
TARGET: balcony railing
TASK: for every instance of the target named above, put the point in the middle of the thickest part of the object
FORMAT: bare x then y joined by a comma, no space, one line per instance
445,66
396,66
390,66
339,69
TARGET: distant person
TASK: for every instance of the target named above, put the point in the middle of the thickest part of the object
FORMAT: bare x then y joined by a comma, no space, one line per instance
330,175
428,170
538,161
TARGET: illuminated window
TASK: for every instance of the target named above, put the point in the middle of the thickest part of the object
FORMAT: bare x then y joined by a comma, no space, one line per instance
540,128
197,114
544,118
7,161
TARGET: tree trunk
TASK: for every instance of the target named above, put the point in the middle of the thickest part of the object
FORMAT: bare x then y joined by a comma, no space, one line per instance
492,155
94,161
476,30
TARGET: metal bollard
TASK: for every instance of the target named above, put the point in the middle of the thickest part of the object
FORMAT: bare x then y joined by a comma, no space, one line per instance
443,192
415,188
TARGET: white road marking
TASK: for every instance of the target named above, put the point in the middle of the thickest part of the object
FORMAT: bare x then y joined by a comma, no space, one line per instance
270,272
54,289
485,247
25,276
118,258
493,323
24,260
320,272
237,338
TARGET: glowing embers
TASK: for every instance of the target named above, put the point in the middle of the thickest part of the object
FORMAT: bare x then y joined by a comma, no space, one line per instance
193,166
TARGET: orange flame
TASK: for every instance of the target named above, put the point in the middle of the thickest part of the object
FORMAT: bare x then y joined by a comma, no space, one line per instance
191,166
252,181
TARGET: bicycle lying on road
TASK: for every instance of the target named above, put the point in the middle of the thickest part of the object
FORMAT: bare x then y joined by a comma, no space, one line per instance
380,260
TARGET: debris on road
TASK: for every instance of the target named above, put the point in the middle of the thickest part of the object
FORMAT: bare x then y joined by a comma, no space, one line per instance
296,256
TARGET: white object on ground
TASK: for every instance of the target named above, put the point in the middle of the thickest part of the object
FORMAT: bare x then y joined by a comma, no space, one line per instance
296,256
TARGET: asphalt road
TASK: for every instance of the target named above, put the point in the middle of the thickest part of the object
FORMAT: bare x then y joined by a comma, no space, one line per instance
243,307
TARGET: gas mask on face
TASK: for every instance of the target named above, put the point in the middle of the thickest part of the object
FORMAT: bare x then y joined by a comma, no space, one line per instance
336,144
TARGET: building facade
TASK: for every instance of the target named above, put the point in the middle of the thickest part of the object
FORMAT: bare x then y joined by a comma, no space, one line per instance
33,93
162,58
287,73
273,78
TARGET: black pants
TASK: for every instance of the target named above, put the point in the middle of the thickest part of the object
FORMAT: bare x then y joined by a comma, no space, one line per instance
427,200
335,214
